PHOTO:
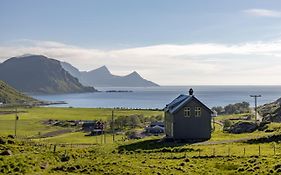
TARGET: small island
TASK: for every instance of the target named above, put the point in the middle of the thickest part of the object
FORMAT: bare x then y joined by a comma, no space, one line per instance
118,91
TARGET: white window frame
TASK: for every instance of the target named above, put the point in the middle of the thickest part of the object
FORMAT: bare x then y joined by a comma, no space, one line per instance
187,112
198,112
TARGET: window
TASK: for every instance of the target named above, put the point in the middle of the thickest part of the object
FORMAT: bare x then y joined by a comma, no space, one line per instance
197,111
187,112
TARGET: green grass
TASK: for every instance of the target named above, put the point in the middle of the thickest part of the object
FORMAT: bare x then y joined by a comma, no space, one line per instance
144,156
219,135
80,138
105,159
30,122
231,116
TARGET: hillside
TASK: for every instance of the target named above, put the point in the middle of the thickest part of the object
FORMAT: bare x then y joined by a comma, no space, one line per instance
102,77
10,95
39,74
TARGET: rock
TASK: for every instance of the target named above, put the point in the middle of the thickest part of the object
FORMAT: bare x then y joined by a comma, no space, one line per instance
2,141
11,136
44,166
242,127
6,153
11,142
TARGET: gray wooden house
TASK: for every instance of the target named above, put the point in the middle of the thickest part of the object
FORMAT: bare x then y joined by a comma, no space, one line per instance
186,118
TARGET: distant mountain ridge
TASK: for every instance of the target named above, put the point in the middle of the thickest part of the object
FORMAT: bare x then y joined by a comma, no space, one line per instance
39,74
102,77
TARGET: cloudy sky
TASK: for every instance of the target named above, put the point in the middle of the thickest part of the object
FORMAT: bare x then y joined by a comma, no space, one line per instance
171,42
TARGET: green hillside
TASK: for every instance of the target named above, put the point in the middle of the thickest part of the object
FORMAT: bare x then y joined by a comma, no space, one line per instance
11,95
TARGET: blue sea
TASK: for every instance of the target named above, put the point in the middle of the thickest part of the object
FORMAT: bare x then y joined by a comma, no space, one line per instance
158,97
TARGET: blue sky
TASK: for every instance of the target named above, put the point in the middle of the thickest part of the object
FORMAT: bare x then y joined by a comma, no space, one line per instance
150,36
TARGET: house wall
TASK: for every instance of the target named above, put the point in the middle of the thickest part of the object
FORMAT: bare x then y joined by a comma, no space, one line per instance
192,127
168,124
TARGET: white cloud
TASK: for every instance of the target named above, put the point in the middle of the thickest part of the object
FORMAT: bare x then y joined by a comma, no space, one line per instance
198,63
263,13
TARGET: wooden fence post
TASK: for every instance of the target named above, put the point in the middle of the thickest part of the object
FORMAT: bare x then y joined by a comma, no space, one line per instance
55,147
244,151
199,154
259,150
228,151
214,151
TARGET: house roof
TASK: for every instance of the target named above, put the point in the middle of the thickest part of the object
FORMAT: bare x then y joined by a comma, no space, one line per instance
180,101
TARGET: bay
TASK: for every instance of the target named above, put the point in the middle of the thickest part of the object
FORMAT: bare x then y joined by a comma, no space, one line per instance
158,97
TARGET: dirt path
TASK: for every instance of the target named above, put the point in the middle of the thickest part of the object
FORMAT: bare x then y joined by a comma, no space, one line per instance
11,112
54,133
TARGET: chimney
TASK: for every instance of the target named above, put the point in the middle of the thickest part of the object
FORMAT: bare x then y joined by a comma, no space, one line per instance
190,91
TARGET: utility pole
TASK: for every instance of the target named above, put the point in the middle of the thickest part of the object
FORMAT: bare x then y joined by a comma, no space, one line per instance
16,119
112,125
256,106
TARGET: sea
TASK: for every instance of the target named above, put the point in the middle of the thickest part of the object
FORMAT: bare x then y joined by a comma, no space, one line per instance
158,97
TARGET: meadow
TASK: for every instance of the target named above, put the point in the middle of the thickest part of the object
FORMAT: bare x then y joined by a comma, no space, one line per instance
69,153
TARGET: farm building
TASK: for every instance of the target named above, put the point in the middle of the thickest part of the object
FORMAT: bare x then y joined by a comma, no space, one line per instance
186,118
155,128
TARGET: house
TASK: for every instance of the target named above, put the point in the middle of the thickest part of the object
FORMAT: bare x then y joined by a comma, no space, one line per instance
155,128
186,118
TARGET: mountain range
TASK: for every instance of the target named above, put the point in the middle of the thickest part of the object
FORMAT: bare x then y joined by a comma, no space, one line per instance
102,77
39,74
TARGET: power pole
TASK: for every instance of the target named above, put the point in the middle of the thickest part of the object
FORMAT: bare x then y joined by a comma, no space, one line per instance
112,125
256,106
16,119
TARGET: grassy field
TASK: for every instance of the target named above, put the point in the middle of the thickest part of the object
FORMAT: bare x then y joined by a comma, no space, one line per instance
145,156
31,121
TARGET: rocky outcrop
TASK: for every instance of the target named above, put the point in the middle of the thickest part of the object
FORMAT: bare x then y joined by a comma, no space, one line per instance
242,127
271,112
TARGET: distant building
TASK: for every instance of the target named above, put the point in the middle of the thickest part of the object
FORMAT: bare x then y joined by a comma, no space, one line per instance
155,128
186,118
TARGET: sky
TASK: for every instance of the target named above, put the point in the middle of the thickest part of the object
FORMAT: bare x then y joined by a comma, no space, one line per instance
171,42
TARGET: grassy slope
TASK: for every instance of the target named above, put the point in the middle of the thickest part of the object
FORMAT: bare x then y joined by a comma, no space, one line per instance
10,95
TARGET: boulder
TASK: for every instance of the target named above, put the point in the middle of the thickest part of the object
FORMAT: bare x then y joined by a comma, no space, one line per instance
11,136
6,153
2,141
242,127
11,142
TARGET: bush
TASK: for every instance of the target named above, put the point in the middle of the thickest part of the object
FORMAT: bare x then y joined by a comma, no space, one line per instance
237,108
226,124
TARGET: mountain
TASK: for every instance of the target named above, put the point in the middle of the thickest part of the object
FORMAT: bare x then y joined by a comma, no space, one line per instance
39,74
102,77
11,95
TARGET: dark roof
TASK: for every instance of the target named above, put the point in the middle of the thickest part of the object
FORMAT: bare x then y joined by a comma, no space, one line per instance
159,123
180,101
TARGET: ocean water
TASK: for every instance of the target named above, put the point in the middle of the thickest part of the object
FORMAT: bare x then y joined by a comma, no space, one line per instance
158,97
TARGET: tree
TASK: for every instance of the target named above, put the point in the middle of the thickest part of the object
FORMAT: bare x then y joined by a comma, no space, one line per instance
218,109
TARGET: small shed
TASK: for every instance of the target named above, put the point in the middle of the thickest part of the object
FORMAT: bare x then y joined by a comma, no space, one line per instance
187,118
